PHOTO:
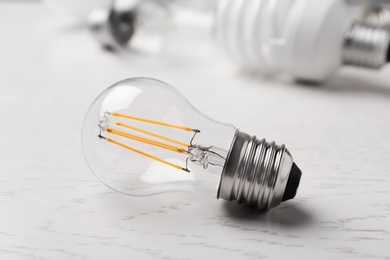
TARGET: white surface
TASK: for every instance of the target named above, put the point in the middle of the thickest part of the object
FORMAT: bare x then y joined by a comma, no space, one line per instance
52,207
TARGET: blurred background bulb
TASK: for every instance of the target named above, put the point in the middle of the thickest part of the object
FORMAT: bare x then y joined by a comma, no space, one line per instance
145,25
141,137
307,39
132,24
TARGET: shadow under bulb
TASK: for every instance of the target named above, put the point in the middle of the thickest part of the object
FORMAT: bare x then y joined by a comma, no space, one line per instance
141,137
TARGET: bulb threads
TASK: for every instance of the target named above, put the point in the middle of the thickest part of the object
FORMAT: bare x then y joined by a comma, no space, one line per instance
366,46
256,172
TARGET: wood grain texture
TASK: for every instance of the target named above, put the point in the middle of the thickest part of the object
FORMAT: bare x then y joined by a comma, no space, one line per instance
52,207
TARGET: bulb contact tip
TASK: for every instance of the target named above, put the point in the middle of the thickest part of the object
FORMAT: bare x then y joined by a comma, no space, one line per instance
292,183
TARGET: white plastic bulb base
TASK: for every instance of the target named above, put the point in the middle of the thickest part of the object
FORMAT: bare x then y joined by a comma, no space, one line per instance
141,137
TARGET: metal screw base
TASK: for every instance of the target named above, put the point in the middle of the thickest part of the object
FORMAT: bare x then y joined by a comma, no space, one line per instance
256,172
366,46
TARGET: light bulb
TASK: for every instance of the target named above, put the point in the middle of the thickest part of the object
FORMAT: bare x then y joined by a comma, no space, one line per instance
132,24
141,137
307,39
145,26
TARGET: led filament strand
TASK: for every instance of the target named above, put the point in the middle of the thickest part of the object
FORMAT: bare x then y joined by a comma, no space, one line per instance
152,121
145,140
150,133
145,154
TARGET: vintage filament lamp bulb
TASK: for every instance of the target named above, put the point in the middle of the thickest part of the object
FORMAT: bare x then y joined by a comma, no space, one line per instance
309,40
141,137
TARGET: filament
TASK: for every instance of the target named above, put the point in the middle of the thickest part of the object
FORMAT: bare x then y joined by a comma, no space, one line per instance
145,154
153,121
152,134
145,140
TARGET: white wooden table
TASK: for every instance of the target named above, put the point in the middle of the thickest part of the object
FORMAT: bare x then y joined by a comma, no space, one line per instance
52,206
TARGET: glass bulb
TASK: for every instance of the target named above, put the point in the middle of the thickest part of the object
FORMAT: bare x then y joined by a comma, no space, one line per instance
142,137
